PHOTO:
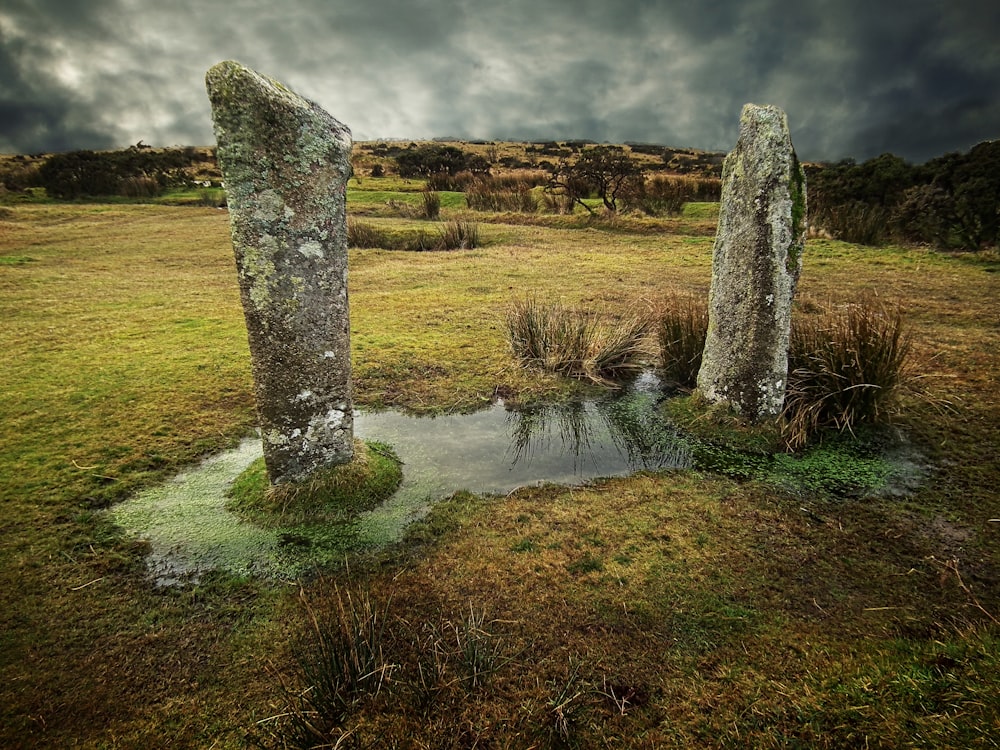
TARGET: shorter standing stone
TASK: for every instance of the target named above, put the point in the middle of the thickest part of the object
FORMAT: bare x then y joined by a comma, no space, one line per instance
286,163
755,268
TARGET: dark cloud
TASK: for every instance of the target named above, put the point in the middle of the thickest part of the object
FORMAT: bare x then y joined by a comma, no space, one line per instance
856,77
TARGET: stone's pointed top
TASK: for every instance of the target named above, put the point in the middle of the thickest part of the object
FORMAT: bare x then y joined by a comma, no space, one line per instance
763,111
270,138
229,80
764,120
236,92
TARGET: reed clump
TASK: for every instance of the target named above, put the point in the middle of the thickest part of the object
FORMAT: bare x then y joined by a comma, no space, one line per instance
847,366
576,343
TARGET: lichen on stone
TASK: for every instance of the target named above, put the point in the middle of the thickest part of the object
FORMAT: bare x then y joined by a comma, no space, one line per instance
286,163
755,267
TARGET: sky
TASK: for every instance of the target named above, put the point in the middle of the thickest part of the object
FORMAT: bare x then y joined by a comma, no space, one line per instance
857,78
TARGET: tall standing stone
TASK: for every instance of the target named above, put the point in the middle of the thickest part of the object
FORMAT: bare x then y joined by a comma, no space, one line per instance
755,268
286,163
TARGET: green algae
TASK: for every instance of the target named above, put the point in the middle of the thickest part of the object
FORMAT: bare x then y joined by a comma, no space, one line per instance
190,529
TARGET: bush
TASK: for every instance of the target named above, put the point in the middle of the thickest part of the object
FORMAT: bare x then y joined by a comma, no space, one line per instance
855,221
845,368
362,234
483,196
952,201
423,161
605,171
923,215
137,169
665,195
575,343
452,183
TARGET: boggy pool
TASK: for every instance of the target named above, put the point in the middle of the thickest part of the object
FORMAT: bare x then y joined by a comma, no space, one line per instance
189,529
495,450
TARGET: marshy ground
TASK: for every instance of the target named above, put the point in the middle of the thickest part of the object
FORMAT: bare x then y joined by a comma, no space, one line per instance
677,608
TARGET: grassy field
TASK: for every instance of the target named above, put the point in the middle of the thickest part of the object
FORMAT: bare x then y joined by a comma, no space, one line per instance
674,609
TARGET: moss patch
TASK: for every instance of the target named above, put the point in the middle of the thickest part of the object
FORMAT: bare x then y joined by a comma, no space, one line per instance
841,466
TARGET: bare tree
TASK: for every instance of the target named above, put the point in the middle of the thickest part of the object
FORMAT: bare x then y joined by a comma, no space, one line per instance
603,170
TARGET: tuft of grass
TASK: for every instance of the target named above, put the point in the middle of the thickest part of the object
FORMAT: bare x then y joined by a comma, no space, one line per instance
454,235
575,343
431,204
856,222
846,367
364,235
459,235
666,195
484,196
681,324
481,652
341,662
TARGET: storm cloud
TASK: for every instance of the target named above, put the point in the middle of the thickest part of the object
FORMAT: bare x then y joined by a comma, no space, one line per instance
856,77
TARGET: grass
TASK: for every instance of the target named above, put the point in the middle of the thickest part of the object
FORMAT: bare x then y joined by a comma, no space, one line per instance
330,496
681,325
452,235
576,343
674,609
847,367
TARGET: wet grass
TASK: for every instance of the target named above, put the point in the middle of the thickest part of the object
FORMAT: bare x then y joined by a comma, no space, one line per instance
681,608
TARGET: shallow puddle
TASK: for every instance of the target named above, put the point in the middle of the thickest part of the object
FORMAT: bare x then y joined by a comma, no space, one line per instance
495,450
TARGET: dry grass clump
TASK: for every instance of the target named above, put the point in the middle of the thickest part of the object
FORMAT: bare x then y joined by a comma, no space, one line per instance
341,662
681,324
459,235
483,196
365,235
430,205
665,195
454,235
575,343
846,367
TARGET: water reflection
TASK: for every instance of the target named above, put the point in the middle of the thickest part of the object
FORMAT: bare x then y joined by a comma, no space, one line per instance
497,449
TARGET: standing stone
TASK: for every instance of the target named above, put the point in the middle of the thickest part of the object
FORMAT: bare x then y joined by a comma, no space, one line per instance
286,163
755,268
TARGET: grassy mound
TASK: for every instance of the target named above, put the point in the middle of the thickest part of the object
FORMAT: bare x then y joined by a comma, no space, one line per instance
331,496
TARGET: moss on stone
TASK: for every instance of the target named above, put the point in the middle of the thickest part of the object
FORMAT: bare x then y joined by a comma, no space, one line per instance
797,190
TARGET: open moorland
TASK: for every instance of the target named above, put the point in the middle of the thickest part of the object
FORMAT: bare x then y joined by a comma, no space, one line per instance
679,608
